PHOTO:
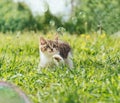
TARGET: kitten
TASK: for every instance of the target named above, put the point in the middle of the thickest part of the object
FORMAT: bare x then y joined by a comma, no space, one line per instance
54,51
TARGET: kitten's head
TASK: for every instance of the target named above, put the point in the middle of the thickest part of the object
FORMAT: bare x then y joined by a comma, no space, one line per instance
49,47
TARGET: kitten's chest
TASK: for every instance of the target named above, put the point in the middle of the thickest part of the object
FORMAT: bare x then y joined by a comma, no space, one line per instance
45,58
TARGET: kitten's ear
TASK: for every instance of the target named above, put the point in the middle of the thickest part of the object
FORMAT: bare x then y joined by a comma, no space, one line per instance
56,37
42,41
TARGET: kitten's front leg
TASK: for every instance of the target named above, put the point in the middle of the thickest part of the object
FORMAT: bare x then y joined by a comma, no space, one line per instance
40,66
69,60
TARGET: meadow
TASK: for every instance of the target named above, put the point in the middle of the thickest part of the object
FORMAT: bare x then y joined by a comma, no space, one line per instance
95,77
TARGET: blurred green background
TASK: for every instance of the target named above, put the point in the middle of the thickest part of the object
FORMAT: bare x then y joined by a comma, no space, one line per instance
86,16
96,74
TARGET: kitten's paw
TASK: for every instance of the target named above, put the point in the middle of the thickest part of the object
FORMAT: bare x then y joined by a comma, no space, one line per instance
58,59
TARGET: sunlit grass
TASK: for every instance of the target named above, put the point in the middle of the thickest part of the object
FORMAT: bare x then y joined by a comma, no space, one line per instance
95,77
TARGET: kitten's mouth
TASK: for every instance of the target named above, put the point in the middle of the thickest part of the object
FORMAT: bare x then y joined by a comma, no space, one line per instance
50,51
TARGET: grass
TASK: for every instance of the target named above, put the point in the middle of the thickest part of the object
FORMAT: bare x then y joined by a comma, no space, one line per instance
94,79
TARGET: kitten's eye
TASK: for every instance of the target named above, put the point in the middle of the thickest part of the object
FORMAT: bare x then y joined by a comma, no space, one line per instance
47,46
54,46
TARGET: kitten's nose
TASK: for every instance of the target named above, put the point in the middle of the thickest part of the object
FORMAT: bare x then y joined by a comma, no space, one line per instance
51,49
